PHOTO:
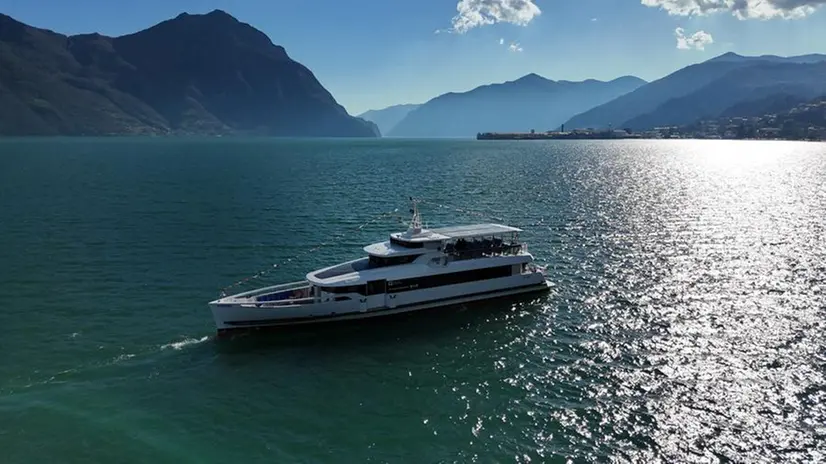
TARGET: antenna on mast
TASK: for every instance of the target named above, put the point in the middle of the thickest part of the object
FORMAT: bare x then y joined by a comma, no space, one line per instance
416,221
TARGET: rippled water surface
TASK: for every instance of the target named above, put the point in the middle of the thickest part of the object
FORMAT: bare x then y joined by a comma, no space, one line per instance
687,322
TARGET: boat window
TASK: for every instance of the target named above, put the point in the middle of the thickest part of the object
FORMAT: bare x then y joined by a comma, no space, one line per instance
346,289
404,244
376,287
452,278
479,247
381,261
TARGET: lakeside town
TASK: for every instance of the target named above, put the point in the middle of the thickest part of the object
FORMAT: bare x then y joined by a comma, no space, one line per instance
806,121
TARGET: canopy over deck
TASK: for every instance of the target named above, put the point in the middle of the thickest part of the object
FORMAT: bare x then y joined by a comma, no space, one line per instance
455,232
477,230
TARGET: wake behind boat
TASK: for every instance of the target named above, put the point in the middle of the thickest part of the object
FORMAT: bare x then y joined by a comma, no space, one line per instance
416,269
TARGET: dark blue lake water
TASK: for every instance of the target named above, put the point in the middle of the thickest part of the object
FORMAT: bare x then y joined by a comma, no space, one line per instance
687,321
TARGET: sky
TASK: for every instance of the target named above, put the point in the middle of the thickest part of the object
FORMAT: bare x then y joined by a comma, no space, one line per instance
375,53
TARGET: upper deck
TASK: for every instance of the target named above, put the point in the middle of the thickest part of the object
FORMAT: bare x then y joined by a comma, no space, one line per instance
417,241
454,243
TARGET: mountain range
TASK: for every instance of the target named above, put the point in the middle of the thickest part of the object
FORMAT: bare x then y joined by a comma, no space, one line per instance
530,102
211,74
726,85
708,90
194,74
389,117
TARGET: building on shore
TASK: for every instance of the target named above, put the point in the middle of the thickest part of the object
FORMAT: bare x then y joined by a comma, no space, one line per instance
576,134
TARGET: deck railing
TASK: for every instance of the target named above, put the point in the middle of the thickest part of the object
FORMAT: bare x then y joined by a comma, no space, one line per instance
503,250
261,291
287,302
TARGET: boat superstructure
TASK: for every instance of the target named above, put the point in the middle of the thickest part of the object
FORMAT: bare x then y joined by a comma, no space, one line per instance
416,269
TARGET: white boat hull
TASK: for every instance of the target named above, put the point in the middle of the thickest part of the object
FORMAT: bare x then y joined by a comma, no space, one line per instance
232,315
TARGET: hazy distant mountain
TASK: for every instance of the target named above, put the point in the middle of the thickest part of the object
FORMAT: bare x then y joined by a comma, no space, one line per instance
731,56
698,90
531,102
757,82
387,118
194,74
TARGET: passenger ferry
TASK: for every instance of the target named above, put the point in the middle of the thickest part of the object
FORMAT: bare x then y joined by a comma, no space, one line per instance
416,269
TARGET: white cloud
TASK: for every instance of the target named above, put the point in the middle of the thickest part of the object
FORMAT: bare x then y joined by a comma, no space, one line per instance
593,19
742,9
513,47
476,13
696,41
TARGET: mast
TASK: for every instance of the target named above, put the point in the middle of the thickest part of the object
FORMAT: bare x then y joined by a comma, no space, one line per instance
416,221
